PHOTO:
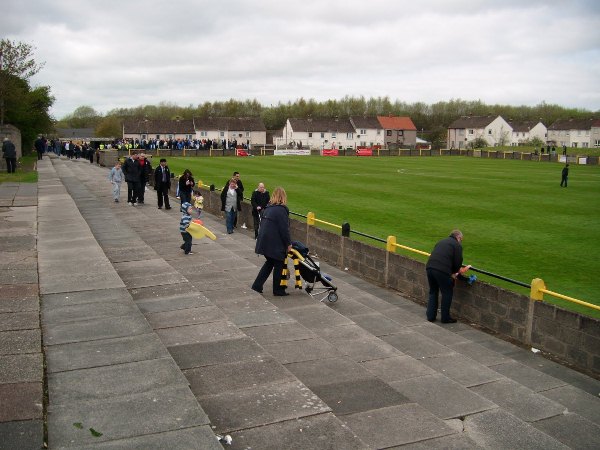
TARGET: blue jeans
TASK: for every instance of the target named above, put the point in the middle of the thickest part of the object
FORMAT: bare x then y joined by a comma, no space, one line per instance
439,281
230,220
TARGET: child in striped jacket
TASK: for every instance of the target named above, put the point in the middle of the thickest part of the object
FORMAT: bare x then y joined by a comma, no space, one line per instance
186,217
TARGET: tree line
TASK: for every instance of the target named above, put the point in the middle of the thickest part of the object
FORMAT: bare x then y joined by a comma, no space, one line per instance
431,120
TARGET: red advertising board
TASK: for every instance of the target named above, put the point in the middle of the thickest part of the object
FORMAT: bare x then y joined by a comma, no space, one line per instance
330,152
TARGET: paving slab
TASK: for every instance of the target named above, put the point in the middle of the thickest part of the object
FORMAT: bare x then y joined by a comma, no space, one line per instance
207,332
320,431
195,438
358,344
279,332
180,317
572,430
163,292
19,321
218,352
243,303
533,379
18,276
304,350
317,317
416,345
246,319
462,369
349,397
85,281
578,401
89,330
20,341
21,401
396,425
136,274
98,383
442,396
454,442
377,324
263,405
498,428
325,371
479,353
157,411
21,368
88,311
104,352
22,435
215,379
519,400
397,368
51,301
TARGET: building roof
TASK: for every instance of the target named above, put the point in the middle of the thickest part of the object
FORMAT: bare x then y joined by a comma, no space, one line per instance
158,126
523,126
322,125
396,123
229,123
75,133
476,122
365,122
573,124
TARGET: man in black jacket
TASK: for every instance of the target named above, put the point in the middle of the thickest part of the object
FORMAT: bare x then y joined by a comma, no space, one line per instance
259,200
443,266
132,171
162,184
145,171
9,152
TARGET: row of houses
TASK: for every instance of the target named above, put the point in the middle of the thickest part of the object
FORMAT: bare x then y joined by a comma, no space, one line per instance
308,133
496,131
365,131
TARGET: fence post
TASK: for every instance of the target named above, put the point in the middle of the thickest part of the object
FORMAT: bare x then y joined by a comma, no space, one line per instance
534,296
390,248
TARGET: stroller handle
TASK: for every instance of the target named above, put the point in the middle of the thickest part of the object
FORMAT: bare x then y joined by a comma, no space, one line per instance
295,253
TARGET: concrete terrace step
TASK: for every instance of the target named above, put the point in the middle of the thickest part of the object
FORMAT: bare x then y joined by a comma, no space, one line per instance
184,340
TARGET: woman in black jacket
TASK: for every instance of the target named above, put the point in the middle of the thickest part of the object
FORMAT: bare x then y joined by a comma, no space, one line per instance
274,242
186,183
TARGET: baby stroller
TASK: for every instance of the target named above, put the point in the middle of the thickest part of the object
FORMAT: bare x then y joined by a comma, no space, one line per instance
309,270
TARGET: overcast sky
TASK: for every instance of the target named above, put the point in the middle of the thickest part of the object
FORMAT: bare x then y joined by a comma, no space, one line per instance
108,54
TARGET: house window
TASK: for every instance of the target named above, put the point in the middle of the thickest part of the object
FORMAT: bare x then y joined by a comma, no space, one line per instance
363,131
490,132
378,132
143,136
222,133
400,133
309,135
348,135
597,143
333,135
322,135
170,136
388,132
471,132
247,134
204,133
158,136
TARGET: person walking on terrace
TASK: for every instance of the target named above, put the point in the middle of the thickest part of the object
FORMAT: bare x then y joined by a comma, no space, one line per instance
443,266
132,171
231,203
274,242
9,153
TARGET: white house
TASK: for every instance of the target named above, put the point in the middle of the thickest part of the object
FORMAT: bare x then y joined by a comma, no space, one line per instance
319,133
523,132
496,131
368,131
250,130
572,132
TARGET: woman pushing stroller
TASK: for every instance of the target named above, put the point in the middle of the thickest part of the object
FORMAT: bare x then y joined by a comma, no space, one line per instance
273,242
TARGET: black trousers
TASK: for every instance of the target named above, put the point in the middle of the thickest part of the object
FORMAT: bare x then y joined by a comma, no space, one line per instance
187,242
270,265
256,218
564,181
162,194
439,281
11,165
133,188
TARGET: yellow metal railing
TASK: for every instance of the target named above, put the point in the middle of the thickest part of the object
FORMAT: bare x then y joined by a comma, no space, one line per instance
537,286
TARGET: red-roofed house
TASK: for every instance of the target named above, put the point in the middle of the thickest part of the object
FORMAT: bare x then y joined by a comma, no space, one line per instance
400,131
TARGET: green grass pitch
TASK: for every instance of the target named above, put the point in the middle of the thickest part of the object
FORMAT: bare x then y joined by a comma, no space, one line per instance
517,221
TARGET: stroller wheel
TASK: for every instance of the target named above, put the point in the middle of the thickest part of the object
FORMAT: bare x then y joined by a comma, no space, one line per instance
332,297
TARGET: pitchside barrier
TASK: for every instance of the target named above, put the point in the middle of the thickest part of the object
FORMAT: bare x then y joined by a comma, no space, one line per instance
527,320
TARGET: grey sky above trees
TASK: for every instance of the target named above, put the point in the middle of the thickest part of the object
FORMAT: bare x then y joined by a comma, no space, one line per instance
113,54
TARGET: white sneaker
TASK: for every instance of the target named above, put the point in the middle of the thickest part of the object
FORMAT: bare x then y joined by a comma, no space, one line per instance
134,204
129,203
